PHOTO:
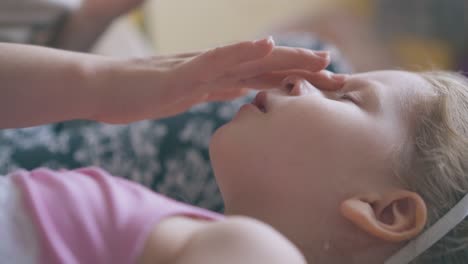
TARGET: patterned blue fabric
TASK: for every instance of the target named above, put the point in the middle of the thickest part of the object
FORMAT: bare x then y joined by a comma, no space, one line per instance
169,156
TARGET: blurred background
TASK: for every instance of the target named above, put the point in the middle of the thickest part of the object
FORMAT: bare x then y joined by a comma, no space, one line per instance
182,25
372,34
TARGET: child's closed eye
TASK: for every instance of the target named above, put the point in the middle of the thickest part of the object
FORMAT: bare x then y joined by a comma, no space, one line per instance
346,97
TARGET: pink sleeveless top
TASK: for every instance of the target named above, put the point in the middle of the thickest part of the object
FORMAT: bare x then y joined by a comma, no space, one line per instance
89,216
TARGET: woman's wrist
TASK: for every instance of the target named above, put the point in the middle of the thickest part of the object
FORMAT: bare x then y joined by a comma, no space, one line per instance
124,90
97,76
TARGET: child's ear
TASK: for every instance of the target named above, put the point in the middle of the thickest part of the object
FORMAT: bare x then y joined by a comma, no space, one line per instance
395,216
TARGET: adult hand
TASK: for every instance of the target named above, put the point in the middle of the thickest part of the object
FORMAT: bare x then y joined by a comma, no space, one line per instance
167,85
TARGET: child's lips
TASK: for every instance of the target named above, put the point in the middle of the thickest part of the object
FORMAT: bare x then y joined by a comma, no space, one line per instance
260,101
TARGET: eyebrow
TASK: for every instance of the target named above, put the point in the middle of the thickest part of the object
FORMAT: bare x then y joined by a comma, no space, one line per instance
370,91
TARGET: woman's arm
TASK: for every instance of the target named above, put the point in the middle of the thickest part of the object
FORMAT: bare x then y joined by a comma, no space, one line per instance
42,85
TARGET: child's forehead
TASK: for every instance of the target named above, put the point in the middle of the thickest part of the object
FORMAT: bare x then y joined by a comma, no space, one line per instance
404,83
402,92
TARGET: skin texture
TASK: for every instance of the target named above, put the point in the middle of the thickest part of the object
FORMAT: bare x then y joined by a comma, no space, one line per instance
331,147
270,177
318,165
188,79
63,85
127,90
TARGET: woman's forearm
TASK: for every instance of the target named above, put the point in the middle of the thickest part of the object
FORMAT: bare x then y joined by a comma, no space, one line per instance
42,85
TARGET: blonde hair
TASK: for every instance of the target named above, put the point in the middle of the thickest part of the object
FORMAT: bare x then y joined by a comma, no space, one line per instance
435,162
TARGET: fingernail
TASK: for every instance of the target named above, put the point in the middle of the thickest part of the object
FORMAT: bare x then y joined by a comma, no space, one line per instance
260,41
288,82
323,54
263,41
270,40
339,77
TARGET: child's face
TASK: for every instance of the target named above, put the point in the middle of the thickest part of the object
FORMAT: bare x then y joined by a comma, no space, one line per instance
311,149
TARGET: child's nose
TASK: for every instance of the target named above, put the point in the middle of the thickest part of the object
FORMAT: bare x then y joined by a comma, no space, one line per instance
297,86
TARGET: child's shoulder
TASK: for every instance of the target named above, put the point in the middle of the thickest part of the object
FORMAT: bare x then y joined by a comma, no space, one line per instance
234,240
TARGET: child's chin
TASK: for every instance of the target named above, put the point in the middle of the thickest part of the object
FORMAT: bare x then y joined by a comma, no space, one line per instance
218,143
216,139
222,136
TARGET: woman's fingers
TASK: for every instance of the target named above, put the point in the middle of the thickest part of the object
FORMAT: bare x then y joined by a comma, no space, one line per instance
226,95
188,54
185,55
219,68
324,80
220,74
214,63
187,103
282,59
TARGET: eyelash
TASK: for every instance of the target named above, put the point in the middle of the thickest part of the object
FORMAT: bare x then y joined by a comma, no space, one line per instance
347,97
